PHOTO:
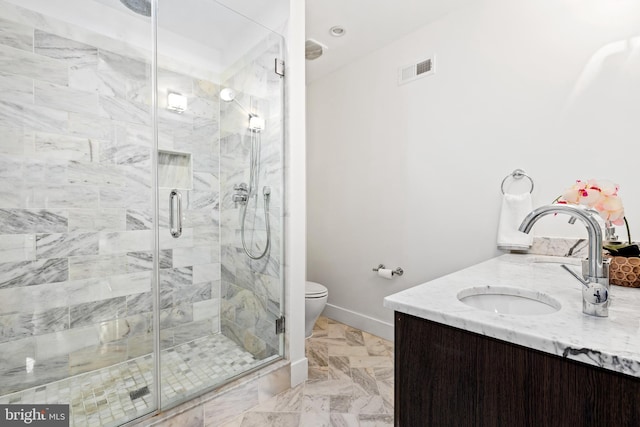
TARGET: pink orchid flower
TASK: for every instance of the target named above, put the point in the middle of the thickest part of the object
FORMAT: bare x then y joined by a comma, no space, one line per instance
606,187
572,194
601,195
610,209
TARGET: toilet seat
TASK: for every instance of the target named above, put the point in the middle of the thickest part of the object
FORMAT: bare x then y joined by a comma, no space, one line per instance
315,290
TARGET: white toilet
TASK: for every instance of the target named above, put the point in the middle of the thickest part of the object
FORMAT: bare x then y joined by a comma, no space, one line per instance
315,298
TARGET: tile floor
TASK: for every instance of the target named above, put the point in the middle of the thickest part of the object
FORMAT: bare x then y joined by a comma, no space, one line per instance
350,384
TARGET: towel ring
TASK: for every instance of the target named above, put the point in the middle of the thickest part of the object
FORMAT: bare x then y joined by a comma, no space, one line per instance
517,174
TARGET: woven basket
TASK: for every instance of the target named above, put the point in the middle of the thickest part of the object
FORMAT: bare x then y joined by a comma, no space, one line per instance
625,271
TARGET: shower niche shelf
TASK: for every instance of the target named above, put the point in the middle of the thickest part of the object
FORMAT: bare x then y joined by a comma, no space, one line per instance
174,170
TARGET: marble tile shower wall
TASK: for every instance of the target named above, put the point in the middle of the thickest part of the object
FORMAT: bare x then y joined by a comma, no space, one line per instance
251,288
75,204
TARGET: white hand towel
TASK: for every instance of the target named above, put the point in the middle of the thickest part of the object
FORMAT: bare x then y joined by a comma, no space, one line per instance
514,208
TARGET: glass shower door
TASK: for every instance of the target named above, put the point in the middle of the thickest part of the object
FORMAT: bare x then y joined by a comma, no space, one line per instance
218,306
81,271
76,210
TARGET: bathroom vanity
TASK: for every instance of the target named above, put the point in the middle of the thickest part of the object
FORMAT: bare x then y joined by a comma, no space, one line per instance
461,363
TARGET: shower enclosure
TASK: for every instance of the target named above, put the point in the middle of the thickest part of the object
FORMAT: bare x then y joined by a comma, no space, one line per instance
141,204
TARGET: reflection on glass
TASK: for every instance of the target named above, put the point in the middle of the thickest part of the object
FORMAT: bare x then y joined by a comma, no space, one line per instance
79,257
218,306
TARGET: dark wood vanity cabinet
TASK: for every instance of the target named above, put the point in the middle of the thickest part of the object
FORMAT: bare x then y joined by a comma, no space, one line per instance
450,377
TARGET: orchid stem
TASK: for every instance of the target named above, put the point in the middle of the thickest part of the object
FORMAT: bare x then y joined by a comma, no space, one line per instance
627,225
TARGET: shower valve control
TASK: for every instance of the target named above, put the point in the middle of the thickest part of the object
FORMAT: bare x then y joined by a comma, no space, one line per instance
241,193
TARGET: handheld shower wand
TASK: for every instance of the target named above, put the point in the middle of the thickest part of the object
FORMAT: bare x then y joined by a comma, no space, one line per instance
245,192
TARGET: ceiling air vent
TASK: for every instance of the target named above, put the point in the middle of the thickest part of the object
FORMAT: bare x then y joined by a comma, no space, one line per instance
423,68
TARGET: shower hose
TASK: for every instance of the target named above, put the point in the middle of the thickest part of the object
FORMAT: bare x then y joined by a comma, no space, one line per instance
254,173
266,194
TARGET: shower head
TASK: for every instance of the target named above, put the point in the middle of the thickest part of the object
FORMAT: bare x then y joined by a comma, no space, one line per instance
141,7
256,123
228,94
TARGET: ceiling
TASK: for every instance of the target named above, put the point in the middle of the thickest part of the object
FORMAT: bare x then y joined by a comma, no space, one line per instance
206,22
369,24
215,36
197,18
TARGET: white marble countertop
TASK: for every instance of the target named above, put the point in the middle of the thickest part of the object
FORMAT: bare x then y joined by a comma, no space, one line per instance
610,342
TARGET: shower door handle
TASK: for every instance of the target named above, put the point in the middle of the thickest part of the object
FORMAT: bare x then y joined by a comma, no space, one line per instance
175,213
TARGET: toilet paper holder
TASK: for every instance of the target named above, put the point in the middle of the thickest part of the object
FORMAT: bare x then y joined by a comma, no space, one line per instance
397,272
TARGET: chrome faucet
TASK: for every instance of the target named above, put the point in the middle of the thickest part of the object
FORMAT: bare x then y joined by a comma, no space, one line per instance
595,281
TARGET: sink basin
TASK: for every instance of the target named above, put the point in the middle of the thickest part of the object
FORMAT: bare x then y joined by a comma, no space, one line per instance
507,300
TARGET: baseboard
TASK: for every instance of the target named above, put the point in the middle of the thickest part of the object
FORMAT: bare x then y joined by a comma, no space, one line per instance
299,371
361,321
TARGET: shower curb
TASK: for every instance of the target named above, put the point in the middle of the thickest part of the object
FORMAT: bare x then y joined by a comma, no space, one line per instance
261,385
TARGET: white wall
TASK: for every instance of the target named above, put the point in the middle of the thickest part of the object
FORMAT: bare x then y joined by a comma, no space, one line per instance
410,175
295,190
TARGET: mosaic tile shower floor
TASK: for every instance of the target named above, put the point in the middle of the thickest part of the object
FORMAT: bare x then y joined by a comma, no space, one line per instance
107,396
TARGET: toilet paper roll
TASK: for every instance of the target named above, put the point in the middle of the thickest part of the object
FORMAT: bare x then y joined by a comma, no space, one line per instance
385,273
